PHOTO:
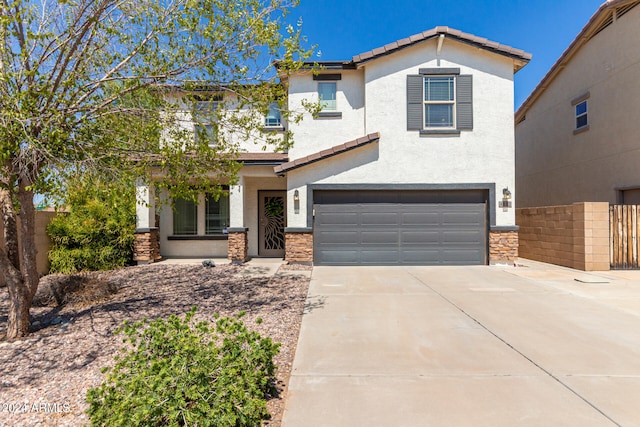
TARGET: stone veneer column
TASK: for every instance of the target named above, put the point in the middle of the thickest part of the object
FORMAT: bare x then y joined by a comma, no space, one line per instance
298,245
238,245
146,247
503,245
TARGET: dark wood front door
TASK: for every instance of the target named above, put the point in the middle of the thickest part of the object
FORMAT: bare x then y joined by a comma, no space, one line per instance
271,212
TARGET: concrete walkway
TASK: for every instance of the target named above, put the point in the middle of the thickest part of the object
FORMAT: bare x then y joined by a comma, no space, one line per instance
534,345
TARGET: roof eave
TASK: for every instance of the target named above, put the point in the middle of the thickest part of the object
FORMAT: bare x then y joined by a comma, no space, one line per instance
581,39
282,169
520,57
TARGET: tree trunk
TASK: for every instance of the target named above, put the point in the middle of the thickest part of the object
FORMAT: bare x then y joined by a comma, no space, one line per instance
10,227
20,275
28,263
19,305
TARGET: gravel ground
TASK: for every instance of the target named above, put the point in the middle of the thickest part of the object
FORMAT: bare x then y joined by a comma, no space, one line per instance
44,378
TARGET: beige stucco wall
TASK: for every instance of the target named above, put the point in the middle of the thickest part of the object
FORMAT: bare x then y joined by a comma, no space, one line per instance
43,243
554,166
483,155
575,236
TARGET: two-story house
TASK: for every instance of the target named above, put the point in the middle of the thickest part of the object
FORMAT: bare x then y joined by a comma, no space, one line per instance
576,139
410,161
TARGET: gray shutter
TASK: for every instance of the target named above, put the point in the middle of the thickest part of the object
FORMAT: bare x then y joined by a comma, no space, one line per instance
464,102
415,88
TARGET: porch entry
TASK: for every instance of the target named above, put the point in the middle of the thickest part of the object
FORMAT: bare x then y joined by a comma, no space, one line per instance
271,223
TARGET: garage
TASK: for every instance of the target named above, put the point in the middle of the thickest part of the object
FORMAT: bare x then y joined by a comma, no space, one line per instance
406,227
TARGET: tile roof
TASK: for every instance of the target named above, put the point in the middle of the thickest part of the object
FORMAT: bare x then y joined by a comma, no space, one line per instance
247,158
480,42
600,20
324,154
262,157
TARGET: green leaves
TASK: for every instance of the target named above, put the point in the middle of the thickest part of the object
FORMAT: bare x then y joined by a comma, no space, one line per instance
98,231
99,84
179,372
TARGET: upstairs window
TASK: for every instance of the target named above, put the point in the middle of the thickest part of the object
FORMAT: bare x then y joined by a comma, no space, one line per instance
439,102
204,117
273,119
581,110
581,115
327,96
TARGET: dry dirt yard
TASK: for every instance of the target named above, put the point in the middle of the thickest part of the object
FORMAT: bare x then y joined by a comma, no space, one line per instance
44,378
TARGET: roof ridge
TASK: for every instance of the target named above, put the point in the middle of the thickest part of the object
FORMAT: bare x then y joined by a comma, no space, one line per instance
435,32
568,53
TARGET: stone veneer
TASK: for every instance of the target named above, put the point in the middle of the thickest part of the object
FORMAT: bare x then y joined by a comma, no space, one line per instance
238,246
503,246
575,236
298,246
146,247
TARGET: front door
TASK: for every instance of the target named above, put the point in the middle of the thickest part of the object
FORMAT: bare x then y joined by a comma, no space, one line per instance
271,212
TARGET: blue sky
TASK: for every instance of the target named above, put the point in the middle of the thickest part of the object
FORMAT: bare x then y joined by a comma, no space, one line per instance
544,28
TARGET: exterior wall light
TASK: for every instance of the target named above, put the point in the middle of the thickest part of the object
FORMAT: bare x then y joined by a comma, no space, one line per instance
505,203
506,194
296,201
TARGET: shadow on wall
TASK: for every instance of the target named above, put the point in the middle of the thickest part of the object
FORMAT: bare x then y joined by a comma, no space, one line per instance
345,162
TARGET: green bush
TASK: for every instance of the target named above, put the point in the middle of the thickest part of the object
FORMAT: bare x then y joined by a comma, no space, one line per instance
178,373
98,231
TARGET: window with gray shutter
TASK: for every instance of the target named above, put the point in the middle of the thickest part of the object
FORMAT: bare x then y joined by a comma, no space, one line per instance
421,111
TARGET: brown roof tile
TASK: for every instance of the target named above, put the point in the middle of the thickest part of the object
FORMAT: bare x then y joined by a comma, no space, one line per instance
457,34
324,154
266,157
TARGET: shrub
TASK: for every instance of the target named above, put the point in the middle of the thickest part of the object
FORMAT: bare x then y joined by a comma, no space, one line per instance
98,231
182,373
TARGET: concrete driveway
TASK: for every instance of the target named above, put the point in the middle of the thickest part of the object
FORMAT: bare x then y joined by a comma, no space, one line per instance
534,345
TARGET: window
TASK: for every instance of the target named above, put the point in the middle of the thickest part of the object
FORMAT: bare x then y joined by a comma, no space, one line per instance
185,217
581,115
273,116
206,219
216,215
327,95
439,102
205,133
204,117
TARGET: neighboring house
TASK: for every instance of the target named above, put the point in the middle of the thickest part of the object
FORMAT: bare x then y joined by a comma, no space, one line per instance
576,134
410,161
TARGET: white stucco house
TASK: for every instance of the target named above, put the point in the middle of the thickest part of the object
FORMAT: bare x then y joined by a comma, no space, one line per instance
410,161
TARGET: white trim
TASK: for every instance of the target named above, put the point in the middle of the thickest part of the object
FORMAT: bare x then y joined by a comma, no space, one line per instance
452,103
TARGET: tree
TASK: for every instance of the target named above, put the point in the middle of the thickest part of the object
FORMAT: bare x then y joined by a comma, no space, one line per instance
104,84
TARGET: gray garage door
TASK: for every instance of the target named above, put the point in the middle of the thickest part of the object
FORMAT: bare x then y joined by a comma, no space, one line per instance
400,228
